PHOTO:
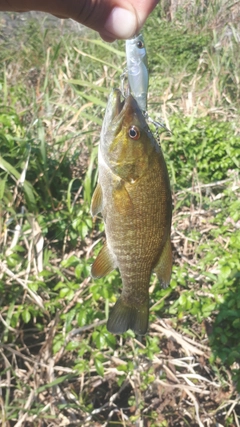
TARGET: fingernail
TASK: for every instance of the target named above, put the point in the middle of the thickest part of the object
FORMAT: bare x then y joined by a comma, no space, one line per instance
121,23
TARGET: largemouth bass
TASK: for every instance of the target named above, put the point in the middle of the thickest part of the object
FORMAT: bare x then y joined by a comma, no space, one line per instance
133,194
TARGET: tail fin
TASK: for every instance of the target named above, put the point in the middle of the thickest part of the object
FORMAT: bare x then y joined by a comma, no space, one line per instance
124,317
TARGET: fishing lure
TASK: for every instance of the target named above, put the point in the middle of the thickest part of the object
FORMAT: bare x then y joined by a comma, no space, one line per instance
138,75
137,69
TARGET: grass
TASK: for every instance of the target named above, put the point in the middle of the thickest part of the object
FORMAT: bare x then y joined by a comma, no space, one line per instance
59,364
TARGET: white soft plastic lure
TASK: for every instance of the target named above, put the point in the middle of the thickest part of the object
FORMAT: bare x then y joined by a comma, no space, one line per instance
137,69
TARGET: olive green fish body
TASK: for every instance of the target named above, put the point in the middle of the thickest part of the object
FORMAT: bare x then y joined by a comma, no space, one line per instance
134,197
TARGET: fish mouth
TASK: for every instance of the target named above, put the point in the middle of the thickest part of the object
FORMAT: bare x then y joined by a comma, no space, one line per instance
118,107
117,103
121,107
119,112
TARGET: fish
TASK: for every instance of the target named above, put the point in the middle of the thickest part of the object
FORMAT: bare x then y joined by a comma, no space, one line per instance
137,68
134,197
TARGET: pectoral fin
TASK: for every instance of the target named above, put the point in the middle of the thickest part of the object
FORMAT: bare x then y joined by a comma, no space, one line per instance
96,203
103,264
163,268
122,200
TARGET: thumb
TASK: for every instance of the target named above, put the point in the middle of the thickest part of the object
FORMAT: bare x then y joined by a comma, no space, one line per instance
113,19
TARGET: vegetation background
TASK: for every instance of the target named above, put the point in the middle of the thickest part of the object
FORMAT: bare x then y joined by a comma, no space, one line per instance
59,365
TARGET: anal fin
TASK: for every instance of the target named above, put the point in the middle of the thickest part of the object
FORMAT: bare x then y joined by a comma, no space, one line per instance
103,264
163,268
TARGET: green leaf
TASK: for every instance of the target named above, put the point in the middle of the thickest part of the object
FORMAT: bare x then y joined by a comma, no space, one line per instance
7,167
86,83
92,98
72,261
236,323
57,381
225,271
26,316
106,46
29,193
2,186
99,367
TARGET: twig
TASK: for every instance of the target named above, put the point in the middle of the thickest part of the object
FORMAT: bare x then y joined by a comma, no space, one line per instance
36,298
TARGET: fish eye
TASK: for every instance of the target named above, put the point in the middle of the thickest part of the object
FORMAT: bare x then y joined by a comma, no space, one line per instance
140,44
134,133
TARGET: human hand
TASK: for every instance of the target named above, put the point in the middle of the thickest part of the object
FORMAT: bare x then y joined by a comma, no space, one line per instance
113,19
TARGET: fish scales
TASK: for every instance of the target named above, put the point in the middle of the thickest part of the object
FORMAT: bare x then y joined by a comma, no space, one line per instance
141,231
134,198
135,236
138,226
